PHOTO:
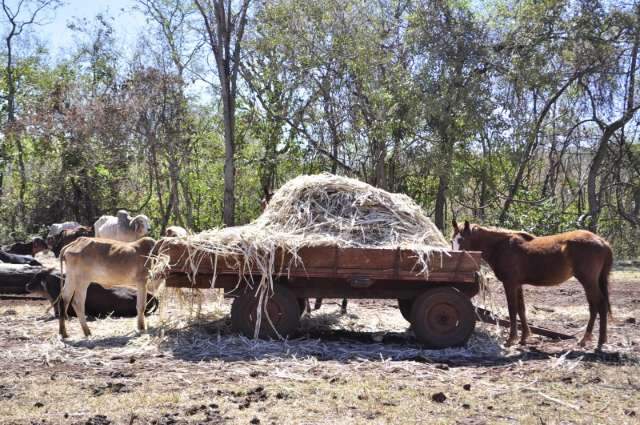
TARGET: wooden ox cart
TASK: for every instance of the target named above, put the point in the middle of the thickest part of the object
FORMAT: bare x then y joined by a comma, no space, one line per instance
437,303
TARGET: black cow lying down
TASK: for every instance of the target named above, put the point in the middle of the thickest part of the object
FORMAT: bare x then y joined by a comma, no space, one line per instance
5,257
32,247
101,302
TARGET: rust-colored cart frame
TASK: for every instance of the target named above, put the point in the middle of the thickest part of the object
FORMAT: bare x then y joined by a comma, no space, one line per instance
436,302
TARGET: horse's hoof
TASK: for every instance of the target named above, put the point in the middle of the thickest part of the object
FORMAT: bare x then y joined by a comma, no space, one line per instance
523,342
602,345
584,341
510,342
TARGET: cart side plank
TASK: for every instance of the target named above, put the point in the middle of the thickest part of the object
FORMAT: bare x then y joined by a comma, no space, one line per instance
320,287
335,262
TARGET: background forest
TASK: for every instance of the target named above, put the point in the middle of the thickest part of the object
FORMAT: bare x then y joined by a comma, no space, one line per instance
521,114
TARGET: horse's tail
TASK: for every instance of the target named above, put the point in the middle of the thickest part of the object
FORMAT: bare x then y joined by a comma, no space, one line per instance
603,280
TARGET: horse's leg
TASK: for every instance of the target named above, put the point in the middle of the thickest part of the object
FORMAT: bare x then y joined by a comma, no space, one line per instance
343,307
523,317
593,312
604,315
511,290
592,292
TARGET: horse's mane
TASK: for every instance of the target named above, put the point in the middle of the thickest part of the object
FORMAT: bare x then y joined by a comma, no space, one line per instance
524,235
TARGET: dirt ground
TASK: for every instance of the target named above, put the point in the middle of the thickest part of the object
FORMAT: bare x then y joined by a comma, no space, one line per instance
364,367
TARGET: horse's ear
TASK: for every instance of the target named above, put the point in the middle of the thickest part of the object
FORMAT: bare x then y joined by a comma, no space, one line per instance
454,223
467,226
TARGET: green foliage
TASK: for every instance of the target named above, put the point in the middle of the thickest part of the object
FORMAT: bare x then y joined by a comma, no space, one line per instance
438,100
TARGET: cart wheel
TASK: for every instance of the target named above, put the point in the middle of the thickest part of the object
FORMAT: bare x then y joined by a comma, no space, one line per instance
443,317
282,308
405,308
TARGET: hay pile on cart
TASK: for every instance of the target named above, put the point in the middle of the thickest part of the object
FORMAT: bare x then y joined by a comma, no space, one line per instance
322,210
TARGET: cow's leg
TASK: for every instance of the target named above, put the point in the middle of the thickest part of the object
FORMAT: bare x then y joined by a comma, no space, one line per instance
511,290
79,301
343,307
141,302
66,295
62,328
523,316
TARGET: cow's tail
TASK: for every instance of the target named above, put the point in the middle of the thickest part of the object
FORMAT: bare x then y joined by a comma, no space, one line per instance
603,280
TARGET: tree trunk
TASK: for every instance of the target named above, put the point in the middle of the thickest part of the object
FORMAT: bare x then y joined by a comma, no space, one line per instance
90,213
333,127
594,170
153,164
11,107
482,201
484,178
380,156
593,196
220,30
12,134
228,213
174,181
444,175
22,187
441,200
11,96
392,174
188,203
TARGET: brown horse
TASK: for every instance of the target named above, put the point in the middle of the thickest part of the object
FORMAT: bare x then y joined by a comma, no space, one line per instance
519,257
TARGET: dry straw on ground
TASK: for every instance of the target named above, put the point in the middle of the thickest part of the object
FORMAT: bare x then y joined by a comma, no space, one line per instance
317,210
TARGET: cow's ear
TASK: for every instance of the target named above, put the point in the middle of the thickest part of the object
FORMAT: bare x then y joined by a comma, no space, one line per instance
467,227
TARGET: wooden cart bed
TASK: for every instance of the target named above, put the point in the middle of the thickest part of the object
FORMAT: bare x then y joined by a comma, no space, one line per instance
436,302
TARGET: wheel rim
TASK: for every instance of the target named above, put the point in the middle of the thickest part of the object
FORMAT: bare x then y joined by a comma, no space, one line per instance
442,319
273,312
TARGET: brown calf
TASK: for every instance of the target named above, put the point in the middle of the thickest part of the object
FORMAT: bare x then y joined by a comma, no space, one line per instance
109,263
